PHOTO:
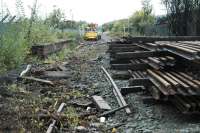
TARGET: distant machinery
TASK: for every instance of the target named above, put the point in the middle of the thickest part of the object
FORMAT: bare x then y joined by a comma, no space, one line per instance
91,32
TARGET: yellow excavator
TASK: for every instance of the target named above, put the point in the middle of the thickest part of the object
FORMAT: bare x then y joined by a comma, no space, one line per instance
91,33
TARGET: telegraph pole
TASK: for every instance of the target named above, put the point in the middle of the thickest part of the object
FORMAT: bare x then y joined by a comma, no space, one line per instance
72,17
128,26
124,29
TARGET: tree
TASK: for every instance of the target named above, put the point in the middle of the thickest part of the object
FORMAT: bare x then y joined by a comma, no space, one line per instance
55,18
142,19
138,23
119,27
183,15
108,26
147,7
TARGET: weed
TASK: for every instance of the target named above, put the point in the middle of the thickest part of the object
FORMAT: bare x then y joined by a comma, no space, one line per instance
72,116
62,55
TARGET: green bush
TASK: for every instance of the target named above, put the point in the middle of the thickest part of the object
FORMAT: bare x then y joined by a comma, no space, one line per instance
42,33
140,21
72,35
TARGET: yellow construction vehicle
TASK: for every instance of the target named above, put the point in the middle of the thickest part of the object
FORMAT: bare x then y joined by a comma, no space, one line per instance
91,33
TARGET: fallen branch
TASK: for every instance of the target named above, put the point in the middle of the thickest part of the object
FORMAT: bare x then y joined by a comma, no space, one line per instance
38,80
79,46
45,116
81,104
51,126
112,111
55,116
83,115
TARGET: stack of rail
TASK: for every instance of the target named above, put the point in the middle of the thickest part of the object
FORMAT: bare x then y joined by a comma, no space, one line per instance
168,68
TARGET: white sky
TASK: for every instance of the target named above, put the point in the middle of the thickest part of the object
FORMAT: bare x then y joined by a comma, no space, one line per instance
97,11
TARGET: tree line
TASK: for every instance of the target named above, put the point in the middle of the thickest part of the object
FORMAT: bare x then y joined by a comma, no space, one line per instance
182,19
136,24
183,16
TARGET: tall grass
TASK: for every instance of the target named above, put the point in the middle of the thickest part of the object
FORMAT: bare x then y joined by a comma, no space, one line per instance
13,46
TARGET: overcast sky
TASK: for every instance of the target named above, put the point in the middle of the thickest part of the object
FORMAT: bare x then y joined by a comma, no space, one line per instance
97,11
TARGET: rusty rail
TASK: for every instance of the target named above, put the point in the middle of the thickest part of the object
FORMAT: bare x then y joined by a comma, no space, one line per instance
116,91
167,77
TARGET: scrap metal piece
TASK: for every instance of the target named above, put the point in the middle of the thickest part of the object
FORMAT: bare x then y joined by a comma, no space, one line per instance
38,80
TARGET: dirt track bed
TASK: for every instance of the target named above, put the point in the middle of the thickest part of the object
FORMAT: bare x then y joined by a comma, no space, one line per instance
31,106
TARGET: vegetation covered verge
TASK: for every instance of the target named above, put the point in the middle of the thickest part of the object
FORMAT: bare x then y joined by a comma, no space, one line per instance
31,106
17,36
13,46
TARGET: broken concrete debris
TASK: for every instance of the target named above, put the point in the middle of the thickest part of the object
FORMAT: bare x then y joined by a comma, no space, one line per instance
100,103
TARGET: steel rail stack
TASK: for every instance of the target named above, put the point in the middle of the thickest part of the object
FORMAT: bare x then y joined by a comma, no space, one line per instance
167,67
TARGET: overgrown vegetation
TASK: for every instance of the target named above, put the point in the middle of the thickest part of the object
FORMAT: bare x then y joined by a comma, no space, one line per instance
62,55
26,104
17,36
118,28
13,46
